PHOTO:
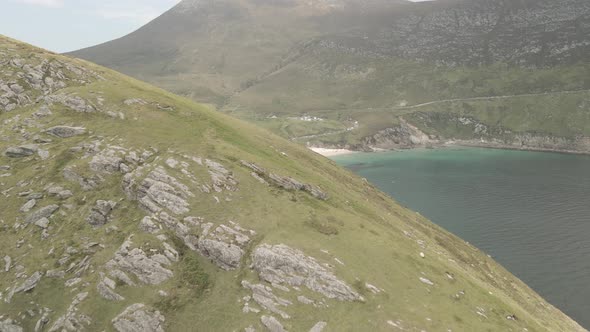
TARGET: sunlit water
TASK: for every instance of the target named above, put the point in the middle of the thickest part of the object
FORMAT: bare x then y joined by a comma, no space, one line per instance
529,210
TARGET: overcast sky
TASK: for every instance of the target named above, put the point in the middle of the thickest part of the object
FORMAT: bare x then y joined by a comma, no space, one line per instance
67,25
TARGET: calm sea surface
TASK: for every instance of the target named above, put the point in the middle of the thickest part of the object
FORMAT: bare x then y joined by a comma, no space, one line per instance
529,210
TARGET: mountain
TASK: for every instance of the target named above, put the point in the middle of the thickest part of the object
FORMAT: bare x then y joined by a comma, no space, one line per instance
377,74
128,208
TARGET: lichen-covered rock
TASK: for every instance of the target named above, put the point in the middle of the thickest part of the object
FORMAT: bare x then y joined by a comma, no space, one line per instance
87,184
28,205
66,131
280,264
106,163
106,289
7,263
59,192
220,176
75,103
44,212
26,286
21,151
101,213
148,269
284,182
9,325
227,256
272,324
264,296
148,225
160,190
139,318
121,276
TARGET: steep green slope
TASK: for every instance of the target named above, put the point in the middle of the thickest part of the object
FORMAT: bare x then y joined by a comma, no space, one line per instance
354,65
127,208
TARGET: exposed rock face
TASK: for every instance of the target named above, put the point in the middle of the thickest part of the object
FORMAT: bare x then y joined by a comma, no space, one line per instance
148,269
59,192
403,136
26,286
220,176
28,205
272,324
21,151
45,212
225,246
264,296
7,263
86,183
121,276
72,102
72,320
319,327
284,182
280,264
9,326
160,190
106,289
65,131
139,318
101,213
225,256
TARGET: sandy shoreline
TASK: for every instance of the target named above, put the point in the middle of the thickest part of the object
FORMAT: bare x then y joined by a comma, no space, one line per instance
331,152
457,144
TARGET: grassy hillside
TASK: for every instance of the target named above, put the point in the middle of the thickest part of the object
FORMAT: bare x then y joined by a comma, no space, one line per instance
128,208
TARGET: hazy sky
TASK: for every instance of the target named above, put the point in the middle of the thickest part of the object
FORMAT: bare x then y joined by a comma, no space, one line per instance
67,25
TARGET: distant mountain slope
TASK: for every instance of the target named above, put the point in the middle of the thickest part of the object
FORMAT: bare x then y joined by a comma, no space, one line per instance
131,209
355,65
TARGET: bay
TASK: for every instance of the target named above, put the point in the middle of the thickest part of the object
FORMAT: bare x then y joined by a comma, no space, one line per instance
528,210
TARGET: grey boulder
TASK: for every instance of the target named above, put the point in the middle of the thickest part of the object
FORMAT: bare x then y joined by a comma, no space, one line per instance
66,131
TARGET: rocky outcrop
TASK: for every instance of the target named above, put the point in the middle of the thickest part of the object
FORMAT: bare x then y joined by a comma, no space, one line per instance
139,318
148,269
59,192
160,190
264,296
21,151
87,183
26,286
318,327
225,245
101,213
65,131
72,320
106,289
44,212
284,182
226,256
220,176
402,136
72,102
272,324
280,264
8,325
7,263
30,204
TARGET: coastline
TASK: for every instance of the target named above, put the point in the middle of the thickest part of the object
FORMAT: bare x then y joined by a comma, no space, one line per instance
331,152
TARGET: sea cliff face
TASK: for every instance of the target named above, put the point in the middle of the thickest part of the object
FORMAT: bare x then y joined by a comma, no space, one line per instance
468,132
